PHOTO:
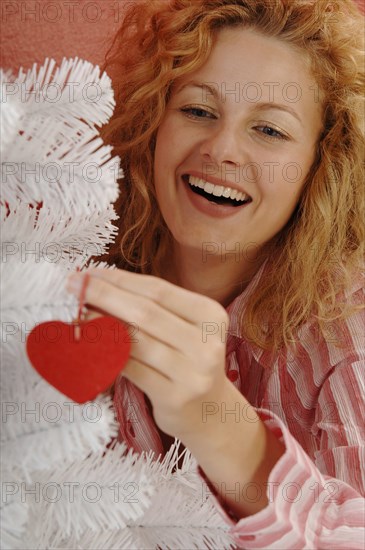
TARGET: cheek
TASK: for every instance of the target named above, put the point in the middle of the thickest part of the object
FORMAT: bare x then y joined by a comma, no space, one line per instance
159,149
280,197
283,180
287,198
165,151
164,168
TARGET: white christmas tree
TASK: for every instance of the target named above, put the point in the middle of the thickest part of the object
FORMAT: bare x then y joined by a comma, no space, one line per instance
63,484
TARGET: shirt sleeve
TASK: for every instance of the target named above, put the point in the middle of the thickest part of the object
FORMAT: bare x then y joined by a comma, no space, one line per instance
313,503
316,500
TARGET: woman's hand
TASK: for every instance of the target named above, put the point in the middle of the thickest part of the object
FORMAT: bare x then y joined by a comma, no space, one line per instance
170,361
180,370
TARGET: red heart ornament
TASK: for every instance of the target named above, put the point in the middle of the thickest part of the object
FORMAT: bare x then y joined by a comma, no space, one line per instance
80,359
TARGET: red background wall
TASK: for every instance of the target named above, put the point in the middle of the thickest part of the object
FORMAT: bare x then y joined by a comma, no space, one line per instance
34,29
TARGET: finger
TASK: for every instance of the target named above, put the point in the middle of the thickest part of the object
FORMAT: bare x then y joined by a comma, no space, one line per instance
190,306
150,317
161,357
148,380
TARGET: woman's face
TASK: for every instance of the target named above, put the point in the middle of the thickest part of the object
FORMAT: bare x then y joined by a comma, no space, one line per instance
244,125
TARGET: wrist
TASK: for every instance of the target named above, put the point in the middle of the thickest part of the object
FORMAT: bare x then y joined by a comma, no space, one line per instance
234,449
226,419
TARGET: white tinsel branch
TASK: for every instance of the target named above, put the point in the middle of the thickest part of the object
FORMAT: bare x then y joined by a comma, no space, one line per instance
74,88
157,504
63,240
47,429
51,151
58,182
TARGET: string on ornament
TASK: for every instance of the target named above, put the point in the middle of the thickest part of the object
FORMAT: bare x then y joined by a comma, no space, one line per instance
81,314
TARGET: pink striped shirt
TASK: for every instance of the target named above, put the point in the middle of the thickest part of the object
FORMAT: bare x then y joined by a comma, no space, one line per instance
314,402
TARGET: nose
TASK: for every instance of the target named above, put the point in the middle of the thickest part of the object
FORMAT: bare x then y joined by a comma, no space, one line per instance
224,145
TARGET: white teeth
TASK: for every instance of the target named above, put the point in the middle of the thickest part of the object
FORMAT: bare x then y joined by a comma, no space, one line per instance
218,190
209,187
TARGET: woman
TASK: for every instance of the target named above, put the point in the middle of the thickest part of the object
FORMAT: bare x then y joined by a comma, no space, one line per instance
238,125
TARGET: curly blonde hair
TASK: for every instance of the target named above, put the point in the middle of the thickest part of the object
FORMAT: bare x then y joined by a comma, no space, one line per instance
316,256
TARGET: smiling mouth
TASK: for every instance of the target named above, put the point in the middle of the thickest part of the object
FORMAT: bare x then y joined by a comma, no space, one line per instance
217,194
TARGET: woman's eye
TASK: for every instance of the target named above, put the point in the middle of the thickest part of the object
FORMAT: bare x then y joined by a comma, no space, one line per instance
271,132
196,112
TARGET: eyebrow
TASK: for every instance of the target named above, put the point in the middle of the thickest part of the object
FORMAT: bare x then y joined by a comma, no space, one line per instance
202,86
257,106
279,107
